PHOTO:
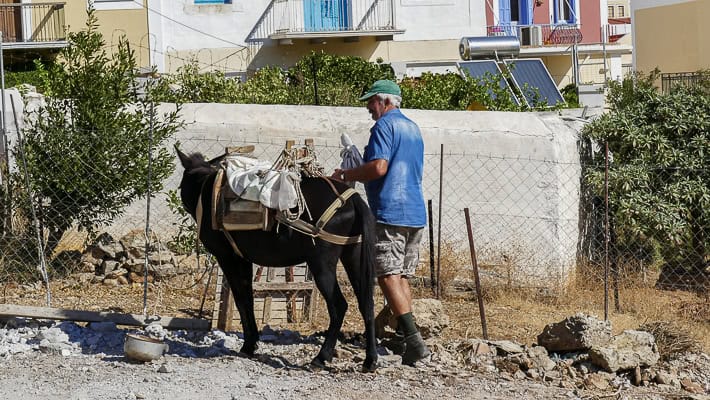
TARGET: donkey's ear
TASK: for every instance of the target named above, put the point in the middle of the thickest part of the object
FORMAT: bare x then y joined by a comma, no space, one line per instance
184,159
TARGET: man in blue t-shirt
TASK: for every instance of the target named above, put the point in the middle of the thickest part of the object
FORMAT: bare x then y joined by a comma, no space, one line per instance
392,173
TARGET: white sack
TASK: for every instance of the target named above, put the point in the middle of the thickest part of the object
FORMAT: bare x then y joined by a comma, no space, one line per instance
254,180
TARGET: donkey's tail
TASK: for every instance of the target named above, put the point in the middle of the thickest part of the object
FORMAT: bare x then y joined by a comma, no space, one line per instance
367,247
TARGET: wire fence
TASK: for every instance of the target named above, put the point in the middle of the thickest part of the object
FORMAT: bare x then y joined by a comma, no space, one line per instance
537,223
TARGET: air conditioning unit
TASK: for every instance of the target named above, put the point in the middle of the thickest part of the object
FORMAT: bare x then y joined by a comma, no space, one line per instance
524,35
530,35
536,35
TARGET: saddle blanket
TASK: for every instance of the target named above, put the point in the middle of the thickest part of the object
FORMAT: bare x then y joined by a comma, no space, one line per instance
255,180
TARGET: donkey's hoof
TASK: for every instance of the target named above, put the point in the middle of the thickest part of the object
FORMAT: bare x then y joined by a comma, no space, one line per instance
248,350
369,365
317,364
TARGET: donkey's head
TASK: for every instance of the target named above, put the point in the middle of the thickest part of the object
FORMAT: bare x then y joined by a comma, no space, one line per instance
197,170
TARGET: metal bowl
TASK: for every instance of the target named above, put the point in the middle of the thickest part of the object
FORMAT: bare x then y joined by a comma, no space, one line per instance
143,348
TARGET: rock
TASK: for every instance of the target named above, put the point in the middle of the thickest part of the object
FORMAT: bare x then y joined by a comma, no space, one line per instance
88,266
664,378
122,280
533,374
160,258
481,348
507,365
575,333
116,273
162,272
691,386
626,351
110,282
111,250
507,347
83,277
596,381
53,335
108,266
539,358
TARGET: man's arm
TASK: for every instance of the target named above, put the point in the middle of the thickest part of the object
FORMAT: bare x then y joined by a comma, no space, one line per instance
368,171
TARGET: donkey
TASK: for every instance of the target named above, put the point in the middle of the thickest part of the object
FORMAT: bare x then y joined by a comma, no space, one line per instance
283,246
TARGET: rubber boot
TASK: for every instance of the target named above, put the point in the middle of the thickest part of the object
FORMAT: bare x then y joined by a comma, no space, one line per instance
395,343
415,349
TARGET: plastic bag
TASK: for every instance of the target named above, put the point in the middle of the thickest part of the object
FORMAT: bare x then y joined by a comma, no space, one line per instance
350,154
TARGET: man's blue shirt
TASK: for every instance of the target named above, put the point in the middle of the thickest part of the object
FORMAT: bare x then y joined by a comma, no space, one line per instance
397,197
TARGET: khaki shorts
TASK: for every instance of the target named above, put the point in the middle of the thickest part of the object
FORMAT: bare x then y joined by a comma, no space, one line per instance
397,250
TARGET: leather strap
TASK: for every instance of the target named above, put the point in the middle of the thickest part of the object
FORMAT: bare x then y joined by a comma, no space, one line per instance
334,206
198,221
316,231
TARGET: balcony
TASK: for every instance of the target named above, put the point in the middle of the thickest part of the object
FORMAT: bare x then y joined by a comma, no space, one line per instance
287,20
33,25
539,35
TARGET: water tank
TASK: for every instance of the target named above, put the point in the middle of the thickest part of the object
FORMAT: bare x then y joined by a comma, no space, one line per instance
478,47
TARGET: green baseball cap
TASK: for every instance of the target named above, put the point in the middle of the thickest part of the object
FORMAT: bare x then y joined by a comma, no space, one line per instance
382,86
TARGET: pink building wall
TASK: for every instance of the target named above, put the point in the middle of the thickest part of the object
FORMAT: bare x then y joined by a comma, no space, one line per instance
541,13
590,19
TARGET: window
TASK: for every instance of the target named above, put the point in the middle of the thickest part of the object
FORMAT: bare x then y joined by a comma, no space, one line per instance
565,12
611,11
621,11
213,1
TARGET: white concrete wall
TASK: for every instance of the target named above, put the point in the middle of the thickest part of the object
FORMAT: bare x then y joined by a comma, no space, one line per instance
517,172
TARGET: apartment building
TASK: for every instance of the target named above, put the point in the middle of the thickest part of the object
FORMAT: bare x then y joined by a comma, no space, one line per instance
38,28
671,35
239,36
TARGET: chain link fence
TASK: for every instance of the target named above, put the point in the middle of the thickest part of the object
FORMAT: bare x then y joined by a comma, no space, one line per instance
537,224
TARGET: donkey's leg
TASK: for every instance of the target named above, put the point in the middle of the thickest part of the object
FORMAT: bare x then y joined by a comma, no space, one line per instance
239,276
352,262
323,267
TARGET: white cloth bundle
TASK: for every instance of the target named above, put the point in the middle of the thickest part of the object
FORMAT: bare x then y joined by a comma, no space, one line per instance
254,180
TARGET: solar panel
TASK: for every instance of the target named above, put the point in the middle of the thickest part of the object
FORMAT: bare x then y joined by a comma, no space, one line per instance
533,73
477,70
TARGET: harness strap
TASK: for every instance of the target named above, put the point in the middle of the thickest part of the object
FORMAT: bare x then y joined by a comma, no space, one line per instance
334,206
310,230
316,231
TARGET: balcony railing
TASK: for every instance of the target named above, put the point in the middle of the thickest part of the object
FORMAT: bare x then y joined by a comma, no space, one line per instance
539,35
294,19
672,80
32,23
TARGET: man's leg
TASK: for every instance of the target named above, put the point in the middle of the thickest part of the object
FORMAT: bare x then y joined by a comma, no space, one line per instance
395,262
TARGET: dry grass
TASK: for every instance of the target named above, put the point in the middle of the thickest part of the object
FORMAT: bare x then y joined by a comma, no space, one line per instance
520,314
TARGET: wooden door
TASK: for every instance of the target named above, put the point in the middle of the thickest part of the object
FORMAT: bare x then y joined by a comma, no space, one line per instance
10,21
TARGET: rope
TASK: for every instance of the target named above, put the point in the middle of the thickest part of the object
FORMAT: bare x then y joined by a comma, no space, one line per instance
305,165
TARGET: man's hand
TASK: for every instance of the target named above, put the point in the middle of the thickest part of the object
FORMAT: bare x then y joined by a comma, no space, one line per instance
338,175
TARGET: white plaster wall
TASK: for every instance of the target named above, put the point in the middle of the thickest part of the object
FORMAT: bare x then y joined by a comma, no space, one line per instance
517,172
440,19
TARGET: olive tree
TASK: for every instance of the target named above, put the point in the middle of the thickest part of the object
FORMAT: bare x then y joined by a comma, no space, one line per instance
87,148
659,180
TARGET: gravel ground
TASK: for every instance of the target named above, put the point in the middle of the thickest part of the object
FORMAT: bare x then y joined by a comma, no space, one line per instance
69,361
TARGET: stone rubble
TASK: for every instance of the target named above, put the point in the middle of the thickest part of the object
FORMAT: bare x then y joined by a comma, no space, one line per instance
123,261
578,371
